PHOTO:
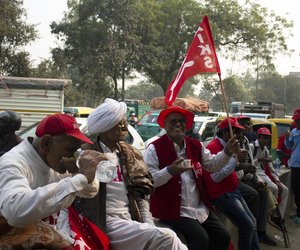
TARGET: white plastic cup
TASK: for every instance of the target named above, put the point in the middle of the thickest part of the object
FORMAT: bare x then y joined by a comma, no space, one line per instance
187,163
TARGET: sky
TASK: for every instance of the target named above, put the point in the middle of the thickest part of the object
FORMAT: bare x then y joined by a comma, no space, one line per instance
43,12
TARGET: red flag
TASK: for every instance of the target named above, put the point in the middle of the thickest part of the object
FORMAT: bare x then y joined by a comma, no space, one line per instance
86,234
201,57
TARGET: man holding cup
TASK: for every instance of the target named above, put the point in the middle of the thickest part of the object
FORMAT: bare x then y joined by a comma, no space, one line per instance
179,199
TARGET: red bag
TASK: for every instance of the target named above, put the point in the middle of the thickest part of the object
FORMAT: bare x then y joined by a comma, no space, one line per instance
86,234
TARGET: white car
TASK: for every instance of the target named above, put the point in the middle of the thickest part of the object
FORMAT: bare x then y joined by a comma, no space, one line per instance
133,137
203,125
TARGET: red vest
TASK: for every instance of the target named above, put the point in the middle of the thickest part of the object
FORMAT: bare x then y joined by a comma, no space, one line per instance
165,201
228,184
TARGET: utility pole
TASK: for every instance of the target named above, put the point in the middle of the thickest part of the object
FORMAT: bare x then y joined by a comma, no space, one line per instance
284,92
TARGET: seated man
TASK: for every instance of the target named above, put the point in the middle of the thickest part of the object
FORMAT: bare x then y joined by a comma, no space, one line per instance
10,122
132,120
35,183
254,190
121,208
179,199
265,169
245,121
222,189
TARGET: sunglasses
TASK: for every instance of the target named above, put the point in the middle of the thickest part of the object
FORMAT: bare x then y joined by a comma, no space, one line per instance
174,122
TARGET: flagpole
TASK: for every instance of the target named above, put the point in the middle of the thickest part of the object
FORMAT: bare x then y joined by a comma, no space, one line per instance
225,105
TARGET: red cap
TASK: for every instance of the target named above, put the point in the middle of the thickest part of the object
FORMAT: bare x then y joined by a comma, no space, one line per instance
243,117
296,114
263,131
189,116
233,121
59,124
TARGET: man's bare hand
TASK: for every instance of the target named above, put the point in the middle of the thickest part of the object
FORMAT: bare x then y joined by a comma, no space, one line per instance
247,168
265,159
287,133
69,164
242,155
232,146
177,167
88,162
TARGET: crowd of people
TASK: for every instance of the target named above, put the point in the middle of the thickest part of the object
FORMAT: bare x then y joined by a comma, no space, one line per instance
63,190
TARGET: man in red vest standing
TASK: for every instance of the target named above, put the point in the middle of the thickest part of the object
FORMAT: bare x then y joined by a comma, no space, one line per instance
175,162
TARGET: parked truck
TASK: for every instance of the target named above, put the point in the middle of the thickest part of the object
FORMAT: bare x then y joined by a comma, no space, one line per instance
33,98
263,108
139,107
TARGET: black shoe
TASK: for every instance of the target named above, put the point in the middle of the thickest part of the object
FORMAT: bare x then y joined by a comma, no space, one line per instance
266,239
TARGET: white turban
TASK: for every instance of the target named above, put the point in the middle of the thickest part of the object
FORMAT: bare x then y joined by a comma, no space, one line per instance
106,116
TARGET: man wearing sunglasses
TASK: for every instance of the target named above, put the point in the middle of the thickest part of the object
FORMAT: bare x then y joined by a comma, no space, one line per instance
175,162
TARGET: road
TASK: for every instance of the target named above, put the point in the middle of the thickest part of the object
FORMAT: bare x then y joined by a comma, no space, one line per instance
293,231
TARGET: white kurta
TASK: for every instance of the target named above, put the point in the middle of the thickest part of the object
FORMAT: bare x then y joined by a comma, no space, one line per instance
261,153
126,234
30,190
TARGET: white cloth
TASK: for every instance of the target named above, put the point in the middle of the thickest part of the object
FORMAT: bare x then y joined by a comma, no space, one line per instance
262,152
30,190
191,206
106,116
126,234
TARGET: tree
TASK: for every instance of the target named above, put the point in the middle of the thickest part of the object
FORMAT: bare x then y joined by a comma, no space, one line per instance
242,32
166,34
14,34
100,38
143,91
254,32
106,40
235,90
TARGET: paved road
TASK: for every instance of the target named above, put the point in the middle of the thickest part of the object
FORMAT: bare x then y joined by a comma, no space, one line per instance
294,235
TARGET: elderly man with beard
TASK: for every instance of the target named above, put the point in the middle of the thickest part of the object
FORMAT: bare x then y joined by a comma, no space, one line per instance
179,199
121,208
35,183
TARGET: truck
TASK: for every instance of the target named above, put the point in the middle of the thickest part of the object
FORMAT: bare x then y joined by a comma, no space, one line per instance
139,107
260,109
32,98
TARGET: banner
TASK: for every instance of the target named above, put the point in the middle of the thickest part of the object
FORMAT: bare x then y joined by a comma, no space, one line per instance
201,57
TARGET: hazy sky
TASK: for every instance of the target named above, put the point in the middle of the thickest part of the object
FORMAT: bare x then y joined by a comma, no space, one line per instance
43,12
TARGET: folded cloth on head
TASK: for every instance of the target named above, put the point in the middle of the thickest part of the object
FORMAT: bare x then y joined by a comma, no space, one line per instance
106,116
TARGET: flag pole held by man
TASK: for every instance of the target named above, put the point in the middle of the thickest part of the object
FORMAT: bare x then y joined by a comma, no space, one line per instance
201,57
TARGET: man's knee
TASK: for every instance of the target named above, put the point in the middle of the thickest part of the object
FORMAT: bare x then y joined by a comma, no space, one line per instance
249,226
165,235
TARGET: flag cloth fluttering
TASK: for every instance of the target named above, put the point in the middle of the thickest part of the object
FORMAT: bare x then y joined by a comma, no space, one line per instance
201,57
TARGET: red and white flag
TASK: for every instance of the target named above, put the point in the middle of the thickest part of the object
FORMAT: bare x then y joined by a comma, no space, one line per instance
201,57
87,236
